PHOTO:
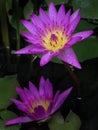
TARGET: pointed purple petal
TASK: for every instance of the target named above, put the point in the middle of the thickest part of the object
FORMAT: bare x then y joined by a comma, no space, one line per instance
32,38
30,98
61,14
19,105
73,41
49,109
44,17
27,92
34,91
69,56
49,87
30,27
30,50
56,97
74,15
21,93
46,58
61,99
37,22
52,12
18,120
27,35
42,88
73,25
83,34
67,19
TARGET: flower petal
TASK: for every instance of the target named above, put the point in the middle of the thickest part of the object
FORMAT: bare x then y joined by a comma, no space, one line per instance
69,56
67,19
18,120
61,99
44,17
42,88
30,50
46,58
31,28
32,38
49,87
45,85
83,34
19,105
74,15
37,22
56,97
21,93
73,40
50,108
33,91
61,14
52,12
73,25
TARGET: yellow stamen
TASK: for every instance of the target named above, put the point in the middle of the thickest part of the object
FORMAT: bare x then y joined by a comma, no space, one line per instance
55,40
44,104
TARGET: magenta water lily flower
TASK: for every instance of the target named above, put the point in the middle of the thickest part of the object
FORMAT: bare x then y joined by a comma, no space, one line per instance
51,34
38,105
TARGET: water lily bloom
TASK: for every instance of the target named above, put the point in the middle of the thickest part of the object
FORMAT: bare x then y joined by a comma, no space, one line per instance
51,34
38,105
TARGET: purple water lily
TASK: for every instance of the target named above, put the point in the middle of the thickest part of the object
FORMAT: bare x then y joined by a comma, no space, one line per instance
51,34
38,105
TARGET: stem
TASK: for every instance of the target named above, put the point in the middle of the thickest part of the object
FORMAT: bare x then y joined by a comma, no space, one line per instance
74,77
17,18
4,27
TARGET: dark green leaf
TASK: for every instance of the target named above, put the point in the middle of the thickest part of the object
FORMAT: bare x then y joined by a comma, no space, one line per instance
7,90
72,122
56,60
85,25
28,9
57,122
7,115
87,49
89,8
8,5
56,2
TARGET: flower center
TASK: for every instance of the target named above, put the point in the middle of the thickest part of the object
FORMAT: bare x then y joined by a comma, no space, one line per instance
44,104
55,40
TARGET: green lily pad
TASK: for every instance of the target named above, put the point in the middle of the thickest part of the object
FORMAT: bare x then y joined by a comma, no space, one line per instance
87,49
57,122
85,25
57,2
72,122
7,115
89,8
7,90
28,9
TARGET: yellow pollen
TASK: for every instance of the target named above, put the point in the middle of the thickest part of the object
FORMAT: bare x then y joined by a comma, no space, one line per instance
44,104
55,40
